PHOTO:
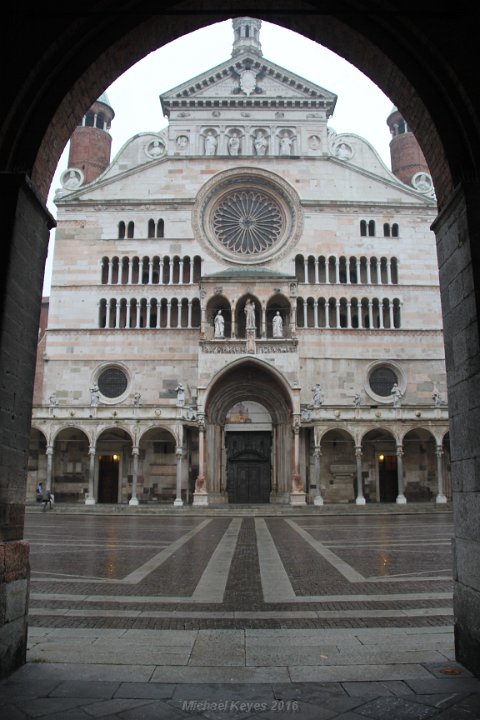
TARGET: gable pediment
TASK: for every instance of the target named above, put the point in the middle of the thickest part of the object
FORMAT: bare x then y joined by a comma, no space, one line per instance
249,77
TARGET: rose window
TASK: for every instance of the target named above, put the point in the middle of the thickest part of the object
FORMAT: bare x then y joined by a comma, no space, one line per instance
247,222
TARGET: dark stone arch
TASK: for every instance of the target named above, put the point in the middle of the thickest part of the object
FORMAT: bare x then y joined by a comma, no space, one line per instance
68,60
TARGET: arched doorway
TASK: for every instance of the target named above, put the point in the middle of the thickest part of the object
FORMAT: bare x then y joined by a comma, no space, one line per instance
113,477
249,435
405,57
379,451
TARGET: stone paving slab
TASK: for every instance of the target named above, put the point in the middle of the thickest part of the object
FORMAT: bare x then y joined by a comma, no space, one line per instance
358,624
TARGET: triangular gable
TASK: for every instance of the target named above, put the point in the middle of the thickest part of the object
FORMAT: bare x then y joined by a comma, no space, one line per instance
253,77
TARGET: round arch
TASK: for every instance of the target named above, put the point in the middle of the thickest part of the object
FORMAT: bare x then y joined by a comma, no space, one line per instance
246,464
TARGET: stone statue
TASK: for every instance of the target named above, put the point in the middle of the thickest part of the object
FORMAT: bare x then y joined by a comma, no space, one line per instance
317,396
357,400
52,400
250,315
277,325
180,395
136,399
210,144
285,144
260,143
94,396
219,323
397,396
234,144
436,397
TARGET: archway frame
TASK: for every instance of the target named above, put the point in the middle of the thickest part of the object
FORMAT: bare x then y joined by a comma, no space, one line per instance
410,56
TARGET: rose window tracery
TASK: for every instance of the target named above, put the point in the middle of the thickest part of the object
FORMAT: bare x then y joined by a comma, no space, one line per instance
247,222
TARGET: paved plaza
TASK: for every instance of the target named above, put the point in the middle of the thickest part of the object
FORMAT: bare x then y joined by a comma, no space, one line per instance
240,615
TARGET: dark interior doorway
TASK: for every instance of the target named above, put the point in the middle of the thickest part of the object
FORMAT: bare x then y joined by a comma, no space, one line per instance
108,466
388,480
249,467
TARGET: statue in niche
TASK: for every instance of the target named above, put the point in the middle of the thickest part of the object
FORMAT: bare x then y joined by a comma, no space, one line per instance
52,400
250,315
234,144
357,400
285,144
318,396
219,323
210,144
182,142
344,151
277,325
260,143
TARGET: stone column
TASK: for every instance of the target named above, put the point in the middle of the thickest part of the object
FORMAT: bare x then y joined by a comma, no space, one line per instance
401,499
456,229
90,499
49,453
441,497
178,502
200,496
26,225
360,499
317,454
135,452
297,493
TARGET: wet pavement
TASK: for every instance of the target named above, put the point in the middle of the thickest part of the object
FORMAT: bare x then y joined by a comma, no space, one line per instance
219,616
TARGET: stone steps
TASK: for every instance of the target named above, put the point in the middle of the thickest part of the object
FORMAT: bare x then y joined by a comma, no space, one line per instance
247,510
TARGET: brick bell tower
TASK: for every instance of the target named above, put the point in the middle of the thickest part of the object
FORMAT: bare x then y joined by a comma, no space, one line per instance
90,145
408,161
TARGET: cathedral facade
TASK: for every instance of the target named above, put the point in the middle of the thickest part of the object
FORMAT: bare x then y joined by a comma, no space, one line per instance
244,307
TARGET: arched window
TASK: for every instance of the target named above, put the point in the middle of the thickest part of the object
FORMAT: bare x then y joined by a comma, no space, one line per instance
104,275
386,230
100,122
371,228
151,228
395,230
363,228
102,313
130,229
121,230
89,119
160,229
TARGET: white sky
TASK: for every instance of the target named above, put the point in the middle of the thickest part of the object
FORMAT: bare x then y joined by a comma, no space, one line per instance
361,106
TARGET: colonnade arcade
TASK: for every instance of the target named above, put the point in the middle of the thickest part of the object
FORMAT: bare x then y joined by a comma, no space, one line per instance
315,464
111,464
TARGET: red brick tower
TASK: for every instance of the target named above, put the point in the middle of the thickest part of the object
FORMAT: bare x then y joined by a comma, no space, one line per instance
91,142
406,156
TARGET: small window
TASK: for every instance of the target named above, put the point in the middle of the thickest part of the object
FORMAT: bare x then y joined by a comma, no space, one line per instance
395,230
89,119
130,229
386,230
121,230
112,382
363,228
382,380
371,228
